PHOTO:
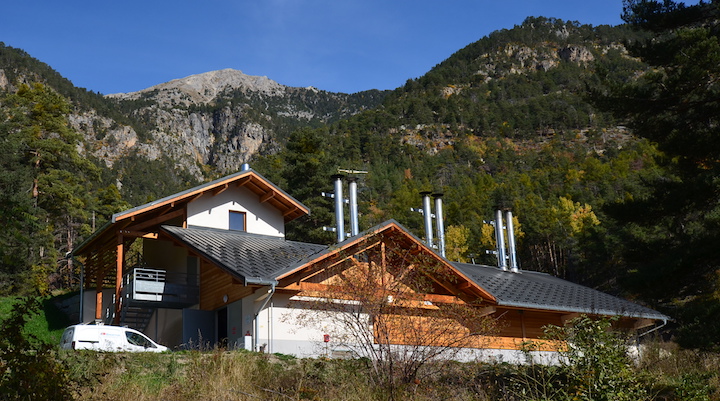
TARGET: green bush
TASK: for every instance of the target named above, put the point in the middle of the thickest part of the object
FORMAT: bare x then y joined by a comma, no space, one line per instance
29,367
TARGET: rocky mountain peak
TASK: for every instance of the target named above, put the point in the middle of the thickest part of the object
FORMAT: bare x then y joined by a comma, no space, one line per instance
204,88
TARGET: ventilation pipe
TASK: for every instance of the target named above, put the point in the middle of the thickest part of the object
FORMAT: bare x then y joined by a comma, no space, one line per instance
339,228
500,240
339,216
244,167
427,215
439,223
511,241
352,188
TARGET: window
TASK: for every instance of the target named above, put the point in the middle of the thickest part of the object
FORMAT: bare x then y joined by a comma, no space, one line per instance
138,339
237,221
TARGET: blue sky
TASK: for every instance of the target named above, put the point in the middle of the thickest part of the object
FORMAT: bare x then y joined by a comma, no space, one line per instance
334,45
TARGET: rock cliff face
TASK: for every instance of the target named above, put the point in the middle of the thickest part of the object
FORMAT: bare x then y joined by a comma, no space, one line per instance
218,119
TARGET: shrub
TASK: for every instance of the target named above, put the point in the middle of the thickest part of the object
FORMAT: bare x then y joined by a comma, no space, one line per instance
29,367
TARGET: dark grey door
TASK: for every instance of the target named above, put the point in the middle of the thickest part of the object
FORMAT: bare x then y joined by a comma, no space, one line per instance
198,328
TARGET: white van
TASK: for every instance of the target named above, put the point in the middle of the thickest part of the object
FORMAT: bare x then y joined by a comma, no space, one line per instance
100,337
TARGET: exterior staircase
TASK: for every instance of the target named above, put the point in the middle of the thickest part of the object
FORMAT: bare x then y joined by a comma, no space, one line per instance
136,317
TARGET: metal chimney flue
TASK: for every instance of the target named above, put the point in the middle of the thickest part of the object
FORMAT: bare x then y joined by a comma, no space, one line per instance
354,224
500,240
511,241
427,215
339,215
439,223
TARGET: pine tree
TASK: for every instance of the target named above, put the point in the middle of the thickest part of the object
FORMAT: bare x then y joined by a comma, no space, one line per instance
46,188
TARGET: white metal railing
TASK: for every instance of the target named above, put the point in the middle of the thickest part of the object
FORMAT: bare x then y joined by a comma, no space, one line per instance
144,284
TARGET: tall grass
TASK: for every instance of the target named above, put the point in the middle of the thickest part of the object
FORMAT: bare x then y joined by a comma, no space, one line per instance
677,375
216,375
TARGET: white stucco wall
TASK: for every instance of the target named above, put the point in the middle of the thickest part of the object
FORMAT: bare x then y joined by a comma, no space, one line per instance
283,329
213,212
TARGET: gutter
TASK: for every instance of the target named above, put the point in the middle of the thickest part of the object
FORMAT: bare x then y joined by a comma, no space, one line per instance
271,292
664,323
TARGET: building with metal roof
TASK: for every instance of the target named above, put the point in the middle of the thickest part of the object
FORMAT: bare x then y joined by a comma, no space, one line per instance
212,265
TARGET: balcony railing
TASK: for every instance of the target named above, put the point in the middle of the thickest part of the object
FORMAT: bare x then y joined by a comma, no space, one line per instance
159,287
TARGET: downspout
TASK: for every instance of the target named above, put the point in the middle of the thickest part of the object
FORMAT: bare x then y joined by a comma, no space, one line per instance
664,323
271,292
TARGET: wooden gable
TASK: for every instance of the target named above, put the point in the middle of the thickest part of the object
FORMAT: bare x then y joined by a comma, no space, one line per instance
101,249
412,295
387,255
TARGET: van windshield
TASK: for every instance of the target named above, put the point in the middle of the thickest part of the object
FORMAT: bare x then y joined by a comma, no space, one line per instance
138,339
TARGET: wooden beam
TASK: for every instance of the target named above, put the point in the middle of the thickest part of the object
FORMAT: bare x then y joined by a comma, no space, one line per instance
157,220
220,189
138,234
166,209
267,196
488,310
242,181
443,299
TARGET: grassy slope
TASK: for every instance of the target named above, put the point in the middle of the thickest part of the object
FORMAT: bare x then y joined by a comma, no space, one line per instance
47,325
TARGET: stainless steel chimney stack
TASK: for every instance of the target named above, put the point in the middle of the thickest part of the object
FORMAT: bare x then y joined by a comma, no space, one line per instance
352,188
500,240
439,223
511,241
339,215
427,215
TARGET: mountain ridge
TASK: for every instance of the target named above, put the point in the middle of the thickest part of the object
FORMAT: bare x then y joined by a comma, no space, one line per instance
205,87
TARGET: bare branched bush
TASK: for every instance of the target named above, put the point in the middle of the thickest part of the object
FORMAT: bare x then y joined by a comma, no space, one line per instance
394,306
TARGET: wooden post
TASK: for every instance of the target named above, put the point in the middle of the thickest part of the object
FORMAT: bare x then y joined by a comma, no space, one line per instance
98,296
120,257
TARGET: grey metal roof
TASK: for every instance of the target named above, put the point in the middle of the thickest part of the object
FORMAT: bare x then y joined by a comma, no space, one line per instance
249,256
264,258
528,289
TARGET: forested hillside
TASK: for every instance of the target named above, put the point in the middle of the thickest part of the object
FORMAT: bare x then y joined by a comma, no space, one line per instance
504,122
542,118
